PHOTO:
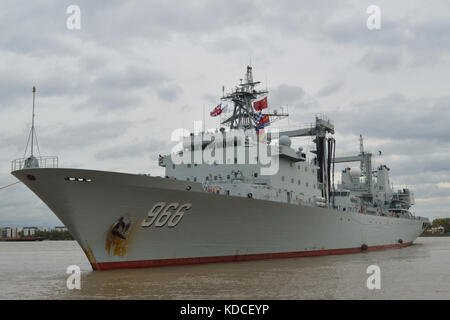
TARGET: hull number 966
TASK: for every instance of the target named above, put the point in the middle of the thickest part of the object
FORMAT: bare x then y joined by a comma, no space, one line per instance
162,214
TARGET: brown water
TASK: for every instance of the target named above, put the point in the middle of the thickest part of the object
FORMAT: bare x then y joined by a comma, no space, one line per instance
37,270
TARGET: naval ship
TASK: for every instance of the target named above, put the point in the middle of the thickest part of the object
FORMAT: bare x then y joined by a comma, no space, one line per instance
236,193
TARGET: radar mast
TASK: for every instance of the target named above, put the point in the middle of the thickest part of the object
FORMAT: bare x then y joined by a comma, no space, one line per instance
32,161
242,98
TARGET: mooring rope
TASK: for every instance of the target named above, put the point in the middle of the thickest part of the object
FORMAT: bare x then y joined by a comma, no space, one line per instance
9,185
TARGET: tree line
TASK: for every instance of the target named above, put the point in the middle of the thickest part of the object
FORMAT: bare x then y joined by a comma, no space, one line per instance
444,222
54,235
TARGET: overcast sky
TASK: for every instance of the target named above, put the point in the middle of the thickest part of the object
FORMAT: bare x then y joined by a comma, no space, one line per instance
110,93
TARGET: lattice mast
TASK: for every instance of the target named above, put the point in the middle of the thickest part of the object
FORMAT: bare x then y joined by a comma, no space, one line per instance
32,137
242,98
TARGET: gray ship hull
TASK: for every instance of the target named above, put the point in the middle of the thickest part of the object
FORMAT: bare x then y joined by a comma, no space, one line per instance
107,213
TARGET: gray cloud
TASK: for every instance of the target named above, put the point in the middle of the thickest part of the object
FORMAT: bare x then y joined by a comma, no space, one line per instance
135,150
395,116
84,134
331,88
286,94
378,60
294,100
169,92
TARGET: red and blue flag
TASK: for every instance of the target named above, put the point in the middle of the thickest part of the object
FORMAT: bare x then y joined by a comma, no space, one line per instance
216,111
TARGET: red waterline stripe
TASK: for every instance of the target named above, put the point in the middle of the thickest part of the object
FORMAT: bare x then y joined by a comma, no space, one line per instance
244,257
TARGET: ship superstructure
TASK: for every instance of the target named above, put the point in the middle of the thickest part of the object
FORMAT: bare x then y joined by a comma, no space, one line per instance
238,192
298,180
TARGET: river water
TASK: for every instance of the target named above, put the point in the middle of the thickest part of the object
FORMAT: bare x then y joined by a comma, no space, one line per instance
37,270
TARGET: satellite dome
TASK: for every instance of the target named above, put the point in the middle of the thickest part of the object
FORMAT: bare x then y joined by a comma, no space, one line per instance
285,141
355,172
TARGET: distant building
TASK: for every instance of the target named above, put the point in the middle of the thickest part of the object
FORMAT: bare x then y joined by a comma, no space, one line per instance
439,229
9,232
61,229
29,231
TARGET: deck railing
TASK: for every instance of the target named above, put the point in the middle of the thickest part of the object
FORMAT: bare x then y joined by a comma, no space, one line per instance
34,162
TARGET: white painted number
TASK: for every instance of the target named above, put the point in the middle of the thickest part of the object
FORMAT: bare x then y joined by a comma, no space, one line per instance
74,280
374,280
160,214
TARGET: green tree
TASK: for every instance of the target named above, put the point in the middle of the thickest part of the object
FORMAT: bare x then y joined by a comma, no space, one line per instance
445,222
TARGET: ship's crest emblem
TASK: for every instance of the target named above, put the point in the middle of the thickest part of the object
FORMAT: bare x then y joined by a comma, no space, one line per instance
119,235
